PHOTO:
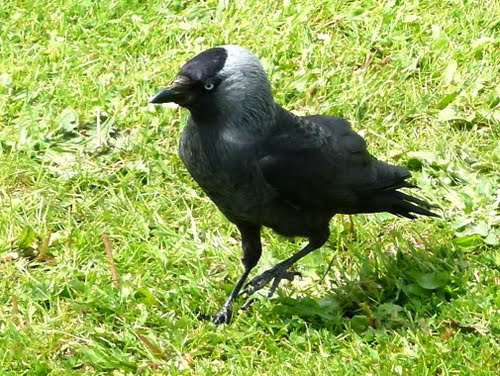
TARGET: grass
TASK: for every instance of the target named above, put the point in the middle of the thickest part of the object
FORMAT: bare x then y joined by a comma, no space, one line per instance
83,154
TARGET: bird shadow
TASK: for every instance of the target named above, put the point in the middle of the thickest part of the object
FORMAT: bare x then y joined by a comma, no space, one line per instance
381,291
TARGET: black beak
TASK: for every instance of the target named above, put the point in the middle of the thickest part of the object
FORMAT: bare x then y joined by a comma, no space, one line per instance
176,92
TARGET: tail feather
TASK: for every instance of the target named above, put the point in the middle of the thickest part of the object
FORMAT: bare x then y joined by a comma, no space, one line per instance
403,184
382,193
407,208
414,200
395,202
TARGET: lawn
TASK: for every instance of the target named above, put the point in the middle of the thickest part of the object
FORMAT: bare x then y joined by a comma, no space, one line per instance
83,154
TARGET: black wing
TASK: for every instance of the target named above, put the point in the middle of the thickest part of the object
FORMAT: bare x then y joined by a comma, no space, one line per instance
320,163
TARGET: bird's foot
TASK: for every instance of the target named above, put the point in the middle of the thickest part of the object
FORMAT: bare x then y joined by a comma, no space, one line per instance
278,273
224,315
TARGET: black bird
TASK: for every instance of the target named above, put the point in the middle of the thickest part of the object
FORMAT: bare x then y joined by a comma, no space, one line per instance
263,166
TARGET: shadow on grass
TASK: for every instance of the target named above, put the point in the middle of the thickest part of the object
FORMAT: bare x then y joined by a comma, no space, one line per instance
385,292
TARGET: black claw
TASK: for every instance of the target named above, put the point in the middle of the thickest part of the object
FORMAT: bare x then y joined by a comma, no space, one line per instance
276,275
247,304
291,275
224,316
285,275
203,317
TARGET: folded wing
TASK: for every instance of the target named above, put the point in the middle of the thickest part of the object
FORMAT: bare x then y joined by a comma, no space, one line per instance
318,163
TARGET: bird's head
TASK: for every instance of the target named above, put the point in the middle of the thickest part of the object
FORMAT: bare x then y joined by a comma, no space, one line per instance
218,82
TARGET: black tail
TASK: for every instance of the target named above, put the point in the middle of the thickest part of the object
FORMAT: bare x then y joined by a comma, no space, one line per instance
404,205
383,195
394,202
389,199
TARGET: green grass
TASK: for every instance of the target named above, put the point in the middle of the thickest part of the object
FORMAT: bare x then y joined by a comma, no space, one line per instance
82,153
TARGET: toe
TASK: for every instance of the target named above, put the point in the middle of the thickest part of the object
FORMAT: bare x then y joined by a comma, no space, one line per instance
223,317
291,275
284,275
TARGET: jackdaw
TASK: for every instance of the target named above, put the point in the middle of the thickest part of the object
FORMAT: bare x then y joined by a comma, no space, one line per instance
264,166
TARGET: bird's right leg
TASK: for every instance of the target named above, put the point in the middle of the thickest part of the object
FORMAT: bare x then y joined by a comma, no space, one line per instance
252,249
280,271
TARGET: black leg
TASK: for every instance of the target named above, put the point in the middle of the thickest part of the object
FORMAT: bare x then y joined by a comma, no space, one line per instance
280,271
252,249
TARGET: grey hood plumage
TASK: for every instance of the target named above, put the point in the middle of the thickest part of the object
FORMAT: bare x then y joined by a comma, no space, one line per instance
242,98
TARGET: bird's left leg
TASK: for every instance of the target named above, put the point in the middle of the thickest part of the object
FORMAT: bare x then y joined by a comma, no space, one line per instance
252,249
280,271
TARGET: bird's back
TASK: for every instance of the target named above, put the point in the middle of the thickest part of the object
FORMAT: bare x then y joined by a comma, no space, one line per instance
334,172
368,170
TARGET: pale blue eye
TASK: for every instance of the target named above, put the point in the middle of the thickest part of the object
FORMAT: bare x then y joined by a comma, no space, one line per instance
209,86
